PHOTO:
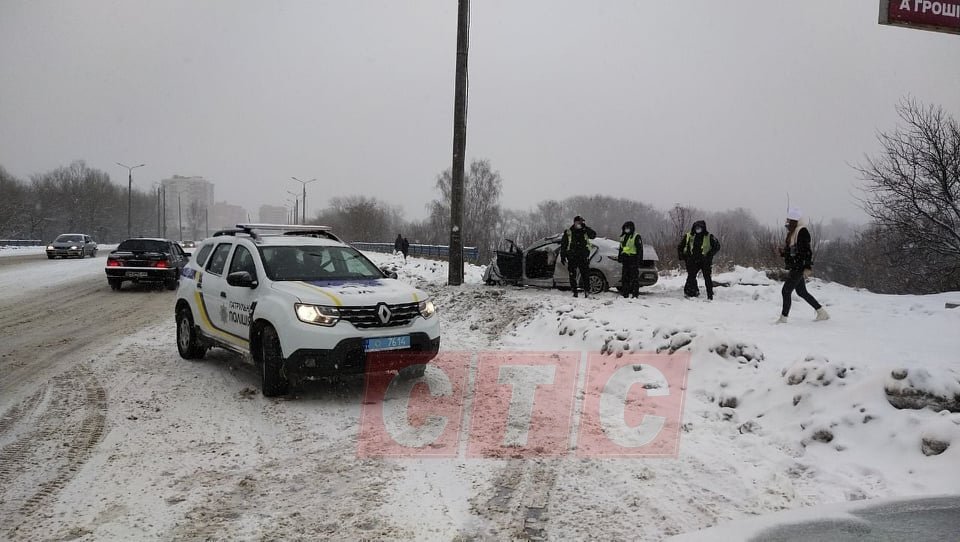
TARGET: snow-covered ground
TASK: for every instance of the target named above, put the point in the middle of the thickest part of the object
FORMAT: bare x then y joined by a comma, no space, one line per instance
776,417
22,251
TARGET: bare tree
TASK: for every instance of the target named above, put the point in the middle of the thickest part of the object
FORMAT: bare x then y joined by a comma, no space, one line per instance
361,218
481,209
913,186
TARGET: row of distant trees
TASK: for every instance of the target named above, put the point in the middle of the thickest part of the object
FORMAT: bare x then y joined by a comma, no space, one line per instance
74,198
911,192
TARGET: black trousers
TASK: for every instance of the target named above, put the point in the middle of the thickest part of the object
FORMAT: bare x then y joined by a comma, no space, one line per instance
796,281
581,267
630,275
698,266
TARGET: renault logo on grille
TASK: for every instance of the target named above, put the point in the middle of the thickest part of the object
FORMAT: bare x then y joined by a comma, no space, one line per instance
383,312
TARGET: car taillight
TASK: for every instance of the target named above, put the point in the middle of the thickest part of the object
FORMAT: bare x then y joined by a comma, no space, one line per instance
113,263
161,264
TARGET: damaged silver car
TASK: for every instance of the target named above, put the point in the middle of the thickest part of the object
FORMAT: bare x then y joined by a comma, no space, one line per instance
539,265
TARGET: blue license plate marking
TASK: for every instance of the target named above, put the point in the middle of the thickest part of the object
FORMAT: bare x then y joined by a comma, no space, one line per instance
379,344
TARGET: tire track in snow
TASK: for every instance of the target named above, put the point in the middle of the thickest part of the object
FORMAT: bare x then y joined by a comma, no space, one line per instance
519,506
17,413
74,421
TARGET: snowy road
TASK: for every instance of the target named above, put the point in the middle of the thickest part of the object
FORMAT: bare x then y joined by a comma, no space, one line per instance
106,434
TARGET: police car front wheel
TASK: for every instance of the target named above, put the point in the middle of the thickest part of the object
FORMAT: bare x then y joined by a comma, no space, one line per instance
274,377
189,343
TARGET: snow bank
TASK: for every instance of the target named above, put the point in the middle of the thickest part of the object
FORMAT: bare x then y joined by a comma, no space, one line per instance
22,251
938,389
416,270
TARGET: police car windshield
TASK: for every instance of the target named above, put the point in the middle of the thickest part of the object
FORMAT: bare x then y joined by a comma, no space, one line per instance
69,239
317,263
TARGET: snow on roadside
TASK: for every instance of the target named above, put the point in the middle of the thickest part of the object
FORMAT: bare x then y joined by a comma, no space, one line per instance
777,416
22,251
43,274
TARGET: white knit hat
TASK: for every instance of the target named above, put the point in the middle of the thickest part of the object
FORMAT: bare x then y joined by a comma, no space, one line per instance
794,213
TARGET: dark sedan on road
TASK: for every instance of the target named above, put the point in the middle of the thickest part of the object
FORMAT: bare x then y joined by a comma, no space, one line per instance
143,260
72,245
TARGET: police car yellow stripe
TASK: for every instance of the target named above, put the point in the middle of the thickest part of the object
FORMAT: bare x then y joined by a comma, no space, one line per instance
336,300
210,328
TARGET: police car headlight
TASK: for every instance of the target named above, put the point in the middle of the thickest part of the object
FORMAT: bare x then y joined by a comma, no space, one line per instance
74,247
49,247
317,314
427,309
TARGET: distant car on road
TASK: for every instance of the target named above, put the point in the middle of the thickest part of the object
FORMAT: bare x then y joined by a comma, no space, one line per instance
538,265
188,244
72,245
147,260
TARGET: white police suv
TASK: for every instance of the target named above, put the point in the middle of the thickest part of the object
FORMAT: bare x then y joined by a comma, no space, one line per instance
302,303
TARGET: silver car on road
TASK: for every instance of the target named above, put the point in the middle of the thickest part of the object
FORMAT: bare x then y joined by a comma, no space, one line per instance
539,265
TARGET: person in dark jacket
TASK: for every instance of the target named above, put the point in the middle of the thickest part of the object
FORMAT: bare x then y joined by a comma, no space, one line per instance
798,260
398,244
697,248
575,248
629,256
405,248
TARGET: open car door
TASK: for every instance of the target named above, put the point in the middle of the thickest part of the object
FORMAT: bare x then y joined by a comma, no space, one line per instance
510,261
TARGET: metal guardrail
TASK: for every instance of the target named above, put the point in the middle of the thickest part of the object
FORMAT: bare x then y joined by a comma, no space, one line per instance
470,254
21,242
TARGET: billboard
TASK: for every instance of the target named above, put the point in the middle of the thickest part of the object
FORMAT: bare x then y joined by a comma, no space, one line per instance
934,15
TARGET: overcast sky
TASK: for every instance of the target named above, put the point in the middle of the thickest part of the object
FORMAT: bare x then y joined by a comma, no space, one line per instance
706,103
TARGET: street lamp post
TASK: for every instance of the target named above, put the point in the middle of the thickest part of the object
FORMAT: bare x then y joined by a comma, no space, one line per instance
129,189
296,205
304,200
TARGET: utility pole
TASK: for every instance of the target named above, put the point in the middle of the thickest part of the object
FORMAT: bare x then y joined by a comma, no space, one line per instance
303,220
158,211
206,221
129,190
180,216
164,190
455,256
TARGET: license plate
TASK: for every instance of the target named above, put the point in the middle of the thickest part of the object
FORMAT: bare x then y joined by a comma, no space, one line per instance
136,273
380,344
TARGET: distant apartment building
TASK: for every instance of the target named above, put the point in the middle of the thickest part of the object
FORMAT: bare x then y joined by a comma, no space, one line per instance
188,202
274,214
224,215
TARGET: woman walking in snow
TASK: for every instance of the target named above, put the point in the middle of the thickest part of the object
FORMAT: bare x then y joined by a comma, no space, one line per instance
798,259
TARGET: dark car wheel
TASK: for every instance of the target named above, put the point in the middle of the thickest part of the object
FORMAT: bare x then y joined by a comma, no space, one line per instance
597,282
189,343
274,377
171,284
115,284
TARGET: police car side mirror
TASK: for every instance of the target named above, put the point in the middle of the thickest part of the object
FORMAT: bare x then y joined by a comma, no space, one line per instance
241,279
390,274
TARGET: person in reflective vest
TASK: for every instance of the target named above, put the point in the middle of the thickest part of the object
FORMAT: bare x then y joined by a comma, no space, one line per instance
575,248
629,256
697,248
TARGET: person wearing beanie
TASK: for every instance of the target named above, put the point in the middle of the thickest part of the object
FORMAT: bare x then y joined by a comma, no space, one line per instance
697,248
575,249
629,256
798,260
